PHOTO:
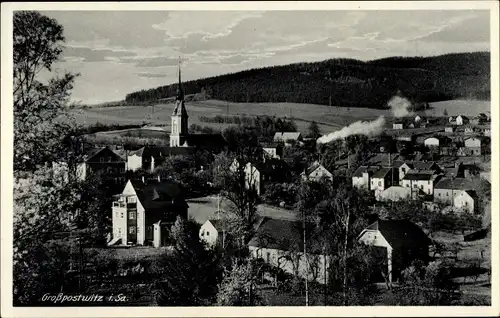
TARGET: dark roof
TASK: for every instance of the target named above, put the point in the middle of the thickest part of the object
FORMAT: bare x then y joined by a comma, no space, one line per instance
381,173
370,169
383,158
206,140
285,235
456,184
150,151
95,151
463,116
419,175
313,167
401,233
156,195
423,165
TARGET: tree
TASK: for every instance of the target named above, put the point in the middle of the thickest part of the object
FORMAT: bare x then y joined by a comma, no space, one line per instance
445,113
237,286
41,120
314,130
44,205
191,272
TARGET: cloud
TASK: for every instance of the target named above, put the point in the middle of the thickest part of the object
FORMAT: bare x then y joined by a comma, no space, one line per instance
151,75
150,62
86,54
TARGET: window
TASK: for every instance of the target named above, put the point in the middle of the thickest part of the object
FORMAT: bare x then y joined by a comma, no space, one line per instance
447,194
380,183
119,230
131,200
131,230
121,215
429,182
439,194
407,185
122,170
268,256
131,215
208,233
421,186
404,170
415,186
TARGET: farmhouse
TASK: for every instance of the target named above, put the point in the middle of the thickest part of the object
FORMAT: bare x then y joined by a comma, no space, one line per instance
288,137
362,175
272,149
447,190
280,243
102,160
382,179
315,172
449,129
401,240
213,233
420,181
398,125
474,146
145,211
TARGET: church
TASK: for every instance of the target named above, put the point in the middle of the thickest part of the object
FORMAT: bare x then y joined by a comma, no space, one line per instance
179,134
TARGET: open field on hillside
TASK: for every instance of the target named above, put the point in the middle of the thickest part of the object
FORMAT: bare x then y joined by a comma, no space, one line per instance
328,118
459,107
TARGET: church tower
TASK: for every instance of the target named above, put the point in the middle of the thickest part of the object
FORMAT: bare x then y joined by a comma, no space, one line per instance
179,118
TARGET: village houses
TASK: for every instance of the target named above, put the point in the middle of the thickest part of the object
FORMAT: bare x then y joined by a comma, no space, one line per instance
382,179
288,138
316,172
456,192
253,176
362,176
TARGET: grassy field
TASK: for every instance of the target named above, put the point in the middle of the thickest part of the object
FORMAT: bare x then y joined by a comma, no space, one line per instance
459,107
328,118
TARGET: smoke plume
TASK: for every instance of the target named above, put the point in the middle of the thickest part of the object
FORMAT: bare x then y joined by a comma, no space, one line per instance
399,106
368,128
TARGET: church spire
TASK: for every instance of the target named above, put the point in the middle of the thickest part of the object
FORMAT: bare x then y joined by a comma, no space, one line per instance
180,93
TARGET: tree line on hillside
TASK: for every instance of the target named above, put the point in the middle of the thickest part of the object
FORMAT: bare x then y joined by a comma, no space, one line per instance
345,82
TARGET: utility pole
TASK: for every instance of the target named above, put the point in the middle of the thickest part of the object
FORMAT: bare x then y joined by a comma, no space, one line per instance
305,255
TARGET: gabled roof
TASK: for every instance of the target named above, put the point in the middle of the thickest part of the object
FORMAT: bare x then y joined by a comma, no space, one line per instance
401,233
159,195
369,169
463,116
315,165
455,184
284,136
423,165
285,235
150,151
419,175
381,173
95,151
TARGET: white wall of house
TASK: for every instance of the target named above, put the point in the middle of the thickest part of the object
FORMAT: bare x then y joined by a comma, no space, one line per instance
208,233
461,120
361,182
294,262
375,238
431,142
464,202
119,221
427,186
81,171
445,195
157,234
403,170
377,184
472,142
134,162
395,193
319,173
397,126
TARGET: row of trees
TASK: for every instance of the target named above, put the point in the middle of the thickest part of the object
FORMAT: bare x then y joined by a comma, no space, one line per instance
345,82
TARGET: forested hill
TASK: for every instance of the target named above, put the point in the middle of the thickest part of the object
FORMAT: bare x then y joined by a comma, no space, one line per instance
345,82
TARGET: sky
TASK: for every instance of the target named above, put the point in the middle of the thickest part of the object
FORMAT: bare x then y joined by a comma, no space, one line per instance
118,52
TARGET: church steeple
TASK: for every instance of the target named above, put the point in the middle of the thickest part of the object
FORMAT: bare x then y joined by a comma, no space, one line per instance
179,126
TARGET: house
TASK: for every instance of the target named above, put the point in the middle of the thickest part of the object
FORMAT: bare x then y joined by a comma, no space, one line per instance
288,138
362,175
213,232
316,172
464,201
468,129
437,141
447,190
145,211
280,243
253,176
474,146
486,175
401,240
395,193
420,182
452,120
417,119
147,158
462,120
103,160
398,125
272,149
382,179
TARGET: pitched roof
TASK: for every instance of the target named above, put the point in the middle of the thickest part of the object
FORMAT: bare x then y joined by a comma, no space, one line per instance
156,195
381,173
401,233
370,169
455,184
285,235
284,136
419,175
150,151
95,151
423,165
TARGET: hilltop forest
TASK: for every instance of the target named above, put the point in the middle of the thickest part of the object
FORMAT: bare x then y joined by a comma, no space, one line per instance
345,82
